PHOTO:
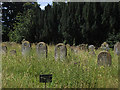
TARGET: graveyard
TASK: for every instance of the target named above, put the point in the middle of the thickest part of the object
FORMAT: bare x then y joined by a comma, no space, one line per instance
60,45
74,70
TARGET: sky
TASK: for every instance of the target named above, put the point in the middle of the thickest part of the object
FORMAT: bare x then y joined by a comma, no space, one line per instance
44,3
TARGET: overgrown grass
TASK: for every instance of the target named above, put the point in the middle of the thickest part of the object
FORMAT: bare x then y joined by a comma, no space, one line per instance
77,71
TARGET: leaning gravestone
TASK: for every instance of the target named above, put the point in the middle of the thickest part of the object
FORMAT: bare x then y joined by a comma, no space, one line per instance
104,58
117,48
13,52
26,47
41,50
60,52
4,49
91,49
105,46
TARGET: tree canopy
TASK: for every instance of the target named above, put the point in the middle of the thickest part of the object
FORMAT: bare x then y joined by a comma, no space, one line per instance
72,22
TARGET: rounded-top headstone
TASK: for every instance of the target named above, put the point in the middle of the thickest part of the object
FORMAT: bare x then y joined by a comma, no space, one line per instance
83,47
26,47
104,58
67,45
41,50
105,46
117,48
60,52
91,49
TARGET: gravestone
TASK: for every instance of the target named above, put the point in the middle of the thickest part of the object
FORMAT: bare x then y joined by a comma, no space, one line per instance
75,49
68,46
104,58
117,48
41,50
26,47
60,52
105,46
91,49
83,47
13,52
4,49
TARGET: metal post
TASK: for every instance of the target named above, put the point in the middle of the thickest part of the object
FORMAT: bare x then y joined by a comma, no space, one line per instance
45,84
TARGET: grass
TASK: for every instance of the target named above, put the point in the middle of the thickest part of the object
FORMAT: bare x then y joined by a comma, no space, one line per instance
77,71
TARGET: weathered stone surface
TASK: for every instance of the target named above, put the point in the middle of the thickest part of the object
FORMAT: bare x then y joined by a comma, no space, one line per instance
117,48
91,49
41,50
67,45
105,46
60,52
4,49
104,58
75,49
26,47
83,47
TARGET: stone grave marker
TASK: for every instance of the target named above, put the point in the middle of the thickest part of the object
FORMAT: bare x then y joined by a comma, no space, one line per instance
26,47
83,47
117,48
75,49
105,46
4,49
41,49
104,58
91,49
60,52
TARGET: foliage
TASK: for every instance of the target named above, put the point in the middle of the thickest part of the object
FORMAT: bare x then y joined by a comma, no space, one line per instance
72,23
77,71
9,12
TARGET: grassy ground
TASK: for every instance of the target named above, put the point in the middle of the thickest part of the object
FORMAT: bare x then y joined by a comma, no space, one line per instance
23,72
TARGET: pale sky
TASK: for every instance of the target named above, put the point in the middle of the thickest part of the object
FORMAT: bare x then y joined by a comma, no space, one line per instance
44,3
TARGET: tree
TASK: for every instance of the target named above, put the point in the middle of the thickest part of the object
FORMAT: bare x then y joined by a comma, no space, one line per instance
9,12
27,23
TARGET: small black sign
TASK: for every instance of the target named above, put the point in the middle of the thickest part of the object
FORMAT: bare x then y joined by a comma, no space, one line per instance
46,78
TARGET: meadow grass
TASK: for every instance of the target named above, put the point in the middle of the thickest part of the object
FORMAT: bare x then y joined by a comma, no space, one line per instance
77,71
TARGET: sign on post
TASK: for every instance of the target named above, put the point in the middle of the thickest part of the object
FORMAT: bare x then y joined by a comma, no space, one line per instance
46,78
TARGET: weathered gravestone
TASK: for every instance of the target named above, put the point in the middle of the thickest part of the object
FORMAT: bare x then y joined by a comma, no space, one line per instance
60,52
41,50
26,47
13,52
67,45
4,49
105,46
83,47
117,48
104,58
91,49
75,49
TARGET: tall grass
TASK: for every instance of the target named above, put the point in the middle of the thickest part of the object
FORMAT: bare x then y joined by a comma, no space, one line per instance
77,71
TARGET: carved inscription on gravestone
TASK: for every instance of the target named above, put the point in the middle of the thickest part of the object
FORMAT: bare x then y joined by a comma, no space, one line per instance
60,52
41,50
104,58
91,49
26,47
